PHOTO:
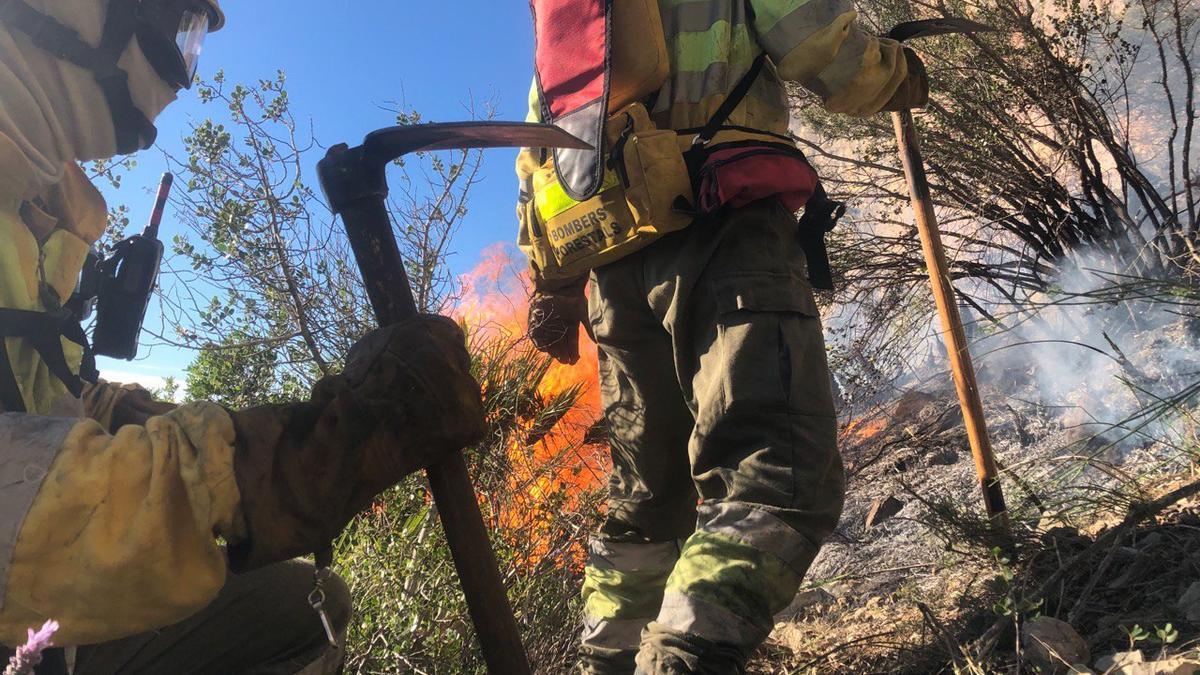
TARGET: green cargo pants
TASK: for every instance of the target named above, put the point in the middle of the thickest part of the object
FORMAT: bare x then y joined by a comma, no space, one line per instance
259,624
726,476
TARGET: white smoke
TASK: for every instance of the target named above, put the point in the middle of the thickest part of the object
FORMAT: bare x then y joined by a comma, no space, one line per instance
1097,353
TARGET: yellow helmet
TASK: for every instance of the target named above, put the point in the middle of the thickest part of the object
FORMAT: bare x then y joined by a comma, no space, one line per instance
218,17
171,33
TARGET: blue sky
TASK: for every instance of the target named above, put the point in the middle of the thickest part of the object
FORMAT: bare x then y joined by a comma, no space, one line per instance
344,60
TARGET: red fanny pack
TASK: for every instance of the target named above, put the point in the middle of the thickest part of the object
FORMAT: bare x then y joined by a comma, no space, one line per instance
738,176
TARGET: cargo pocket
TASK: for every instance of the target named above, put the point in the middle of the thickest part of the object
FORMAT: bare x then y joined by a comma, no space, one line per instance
771,347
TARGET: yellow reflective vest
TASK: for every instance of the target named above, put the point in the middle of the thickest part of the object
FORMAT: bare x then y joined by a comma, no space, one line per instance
110,534
712,44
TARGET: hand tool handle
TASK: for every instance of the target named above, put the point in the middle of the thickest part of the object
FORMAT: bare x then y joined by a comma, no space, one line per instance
368,227
952,328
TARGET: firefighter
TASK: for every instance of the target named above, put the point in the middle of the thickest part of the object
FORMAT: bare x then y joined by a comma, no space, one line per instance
125,528
726,476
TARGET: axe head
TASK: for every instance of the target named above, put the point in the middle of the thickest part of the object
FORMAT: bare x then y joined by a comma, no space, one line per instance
943,26
349,175
393,142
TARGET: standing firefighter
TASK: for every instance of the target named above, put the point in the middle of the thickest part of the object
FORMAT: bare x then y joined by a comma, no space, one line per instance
110,525
726,477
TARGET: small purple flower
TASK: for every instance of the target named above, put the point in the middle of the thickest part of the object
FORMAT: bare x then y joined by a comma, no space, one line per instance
29,654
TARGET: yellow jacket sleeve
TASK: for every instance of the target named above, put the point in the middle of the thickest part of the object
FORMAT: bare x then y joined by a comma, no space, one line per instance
819,44
119,535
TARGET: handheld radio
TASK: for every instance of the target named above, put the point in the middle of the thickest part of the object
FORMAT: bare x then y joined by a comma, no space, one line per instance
127,280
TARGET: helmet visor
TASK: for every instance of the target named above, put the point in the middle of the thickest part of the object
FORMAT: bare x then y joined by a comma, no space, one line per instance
193,27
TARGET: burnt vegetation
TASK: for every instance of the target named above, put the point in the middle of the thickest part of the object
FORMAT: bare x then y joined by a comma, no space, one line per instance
1063,155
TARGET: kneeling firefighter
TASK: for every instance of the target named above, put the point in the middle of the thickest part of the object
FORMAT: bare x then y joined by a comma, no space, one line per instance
110,526
726,476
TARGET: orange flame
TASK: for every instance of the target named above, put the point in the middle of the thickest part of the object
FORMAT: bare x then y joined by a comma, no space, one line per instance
548,476
864,429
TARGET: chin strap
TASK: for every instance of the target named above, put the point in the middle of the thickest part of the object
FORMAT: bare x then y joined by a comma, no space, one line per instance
132,128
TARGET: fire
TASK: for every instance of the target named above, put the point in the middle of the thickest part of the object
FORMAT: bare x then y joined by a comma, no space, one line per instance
864,429
553,464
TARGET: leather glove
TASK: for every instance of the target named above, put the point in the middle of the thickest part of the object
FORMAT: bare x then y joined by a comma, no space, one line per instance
405,400
137,406
914,90
116,405
554,320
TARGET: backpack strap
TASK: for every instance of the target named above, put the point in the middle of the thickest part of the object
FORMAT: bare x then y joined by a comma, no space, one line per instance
129,124
731,102
44,331
821,213
695,156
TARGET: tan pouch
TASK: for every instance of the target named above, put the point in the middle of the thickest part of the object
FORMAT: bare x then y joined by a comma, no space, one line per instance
640,63
645,194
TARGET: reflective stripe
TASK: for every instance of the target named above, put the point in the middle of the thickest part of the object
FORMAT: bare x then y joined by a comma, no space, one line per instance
552,199
625,580
623,634
652,557
28,446
722,42
768,14
692,616
759,529
781,36
717,80
616,594
727,572
697,16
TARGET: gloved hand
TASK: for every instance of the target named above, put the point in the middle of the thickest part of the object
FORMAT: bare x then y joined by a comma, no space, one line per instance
404,401
554,320
115,405
136,406
914,90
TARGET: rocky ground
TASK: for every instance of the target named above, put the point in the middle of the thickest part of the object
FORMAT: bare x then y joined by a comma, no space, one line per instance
914,581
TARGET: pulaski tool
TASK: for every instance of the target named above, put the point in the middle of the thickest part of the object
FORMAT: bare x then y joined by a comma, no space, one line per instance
355,184
939,275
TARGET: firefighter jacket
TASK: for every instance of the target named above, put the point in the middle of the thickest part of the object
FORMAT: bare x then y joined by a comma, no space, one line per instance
110,534
712,44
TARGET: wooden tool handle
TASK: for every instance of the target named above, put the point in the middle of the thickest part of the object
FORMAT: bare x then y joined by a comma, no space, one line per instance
369,230
947,307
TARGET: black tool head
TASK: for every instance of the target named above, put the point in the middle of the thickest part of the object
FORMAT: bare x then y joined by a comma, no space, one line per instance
943,26
395,141
350,174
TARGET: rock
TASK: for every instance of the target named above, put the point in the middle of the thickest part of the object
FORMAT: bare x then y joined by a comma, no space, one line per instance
1079,669
1180,665
943,458
1119,660
1053,521
882,509
1063,538
1189,602
1134,663
1085,438
1052,645
806,601
950,419
1149,541
912,403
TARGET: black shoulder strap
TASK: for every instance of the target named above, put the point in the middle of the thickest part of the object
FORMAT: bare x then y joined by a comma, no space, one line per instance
731,101
11,399
44,331
129,123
